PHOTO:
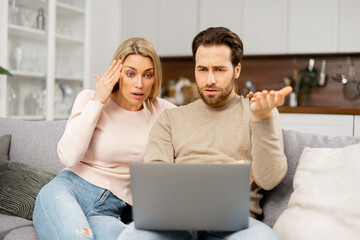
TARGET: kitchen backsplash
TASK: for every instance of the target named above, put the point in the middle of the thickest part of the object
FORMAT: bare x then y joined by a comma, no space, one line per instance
270,72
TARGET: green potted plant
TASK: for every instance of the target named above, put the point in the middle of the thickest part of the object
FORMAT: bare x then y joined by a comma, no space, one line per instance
4,71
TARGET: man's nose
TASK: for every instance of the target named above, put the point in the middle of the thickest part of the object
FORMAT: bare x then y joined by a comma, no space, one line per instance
210,78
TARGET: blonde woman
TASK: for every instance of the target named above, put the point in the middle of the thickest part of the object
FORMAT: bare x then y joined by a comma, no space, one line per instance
108,128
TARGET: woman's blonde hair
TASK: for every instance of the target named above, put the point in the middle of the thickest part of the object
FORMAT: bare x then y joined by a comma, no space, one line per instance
143,47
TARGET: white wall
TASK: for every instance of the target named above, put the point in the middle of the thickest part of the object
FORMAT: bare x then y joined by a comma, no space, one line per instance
104,35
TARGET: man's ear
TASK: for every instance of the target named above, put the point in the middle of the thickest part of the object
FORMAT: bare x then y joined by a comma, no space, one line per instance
237,70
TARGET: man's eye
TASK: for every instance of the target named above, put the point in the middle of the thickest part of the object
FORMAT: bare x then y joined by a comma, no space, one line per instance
220,70
202,69
129,74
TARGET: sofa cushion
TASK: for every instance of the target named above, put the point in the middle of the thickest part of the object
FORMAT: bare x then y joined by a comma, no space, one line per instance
19,186
4,148
276,200
34,142
324,204
12,227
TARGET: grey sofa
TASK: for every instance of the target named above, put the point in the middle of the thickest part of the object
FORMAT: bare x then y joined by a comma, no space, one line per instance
35,142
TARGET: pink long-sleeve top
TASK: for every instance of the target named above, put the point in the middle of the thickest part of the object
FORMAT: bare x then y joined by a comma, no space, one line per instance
100,140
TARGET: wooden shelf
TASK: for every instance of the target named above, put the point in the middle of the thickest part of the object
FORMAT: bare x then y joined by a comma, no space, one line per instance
320,110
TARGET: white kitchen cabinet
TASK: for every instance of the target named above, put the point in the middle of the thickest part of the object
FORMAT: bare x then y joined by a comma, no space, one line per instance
324,124
178,26
349,22
141,18
215,13
313,26
261,24
357,125
169,24
49,65
265,27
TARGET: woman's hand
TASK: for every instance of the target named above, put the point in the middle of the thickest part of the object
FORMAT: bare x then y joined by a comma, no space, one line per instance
105,84
262,103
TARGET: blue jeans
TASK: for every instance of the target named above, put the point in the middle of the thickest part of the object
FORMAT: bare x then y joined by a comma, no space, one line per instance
69,207
256,230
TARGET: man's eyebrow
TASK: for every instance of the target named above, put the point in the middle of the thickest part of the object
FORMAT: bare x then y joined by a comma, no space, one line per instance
216,66
200,66
219,66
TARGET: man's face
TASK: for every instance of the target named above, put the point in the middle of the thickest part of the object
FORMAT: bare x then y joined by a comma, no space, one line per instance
215,74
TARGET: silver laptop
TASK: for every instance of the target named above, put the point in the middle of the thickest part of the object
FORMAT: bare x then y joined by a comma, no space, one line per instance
190,196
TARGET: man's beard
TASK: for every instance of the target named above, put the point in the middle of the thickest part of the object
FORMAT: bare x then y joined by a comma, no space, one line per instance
215,100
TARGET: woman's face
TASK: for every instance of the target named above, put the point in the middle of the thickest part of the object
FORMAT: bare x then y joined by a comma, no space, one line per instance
136,81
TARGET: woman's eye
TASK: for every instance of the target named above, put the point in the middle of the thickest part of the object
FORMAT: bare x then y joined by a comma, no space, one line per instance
148,75
129,74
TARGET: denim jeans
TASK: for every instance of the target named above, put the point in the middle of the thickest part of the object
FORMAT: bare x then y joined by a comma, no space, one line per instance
256,231
69,207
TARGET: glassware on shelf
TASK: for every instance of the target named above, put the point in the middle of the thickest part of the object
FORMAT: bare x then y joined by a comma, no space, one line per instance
13,101
41,102
30,104
34,64
40,19
63,27
28,17
13,13
18,57
34,102
64,97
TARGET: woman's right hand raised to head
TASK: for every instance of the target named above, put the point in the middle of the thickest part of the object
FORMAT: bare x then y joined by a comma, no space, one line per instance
105,84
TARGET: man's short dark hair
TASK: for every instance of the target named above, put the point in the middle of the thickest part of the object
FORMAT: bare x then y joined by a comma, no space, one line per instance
220,36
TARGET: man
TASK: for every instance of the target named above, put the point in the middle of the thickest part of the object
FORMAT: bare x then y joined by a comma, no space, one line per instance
221,127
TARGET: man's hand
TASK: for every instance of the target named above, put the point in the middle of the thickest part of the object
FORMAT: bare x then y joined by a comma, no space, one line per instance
105,84
262,103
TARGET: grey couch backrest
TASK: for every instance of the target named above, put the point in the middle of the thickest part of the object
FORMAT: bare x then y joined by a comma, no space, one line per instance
34,142
276,200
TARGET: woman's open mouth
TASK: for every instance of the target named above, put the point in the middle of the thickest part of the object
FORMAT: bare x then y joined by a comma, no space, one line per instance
137,95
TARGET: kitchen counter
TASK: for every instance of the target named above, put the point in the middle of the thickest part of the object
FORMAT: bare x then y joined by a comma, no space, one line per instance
320,110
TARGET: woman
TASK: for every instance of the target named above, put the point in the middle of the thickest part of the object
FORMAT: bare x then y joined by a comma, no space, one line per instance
108,128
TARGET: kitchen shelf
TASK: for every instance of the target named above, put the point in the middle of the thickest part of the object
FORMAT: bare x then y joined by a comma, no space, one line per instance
28,117
40,60
65,9
61,117
16,73
68,78
31,4
320,110
25,32
64,39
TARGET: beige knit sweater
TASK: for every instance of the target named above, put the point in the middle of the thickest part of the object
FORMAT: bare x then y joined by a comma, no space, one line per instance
198,133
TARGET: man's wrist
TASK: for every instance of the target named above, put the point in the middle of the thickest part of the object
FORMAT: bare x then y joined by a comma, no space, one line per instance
261,117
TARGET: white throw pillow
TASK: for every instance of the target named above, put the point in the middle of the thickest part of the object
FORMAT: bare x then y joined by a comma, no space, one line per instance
325,203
